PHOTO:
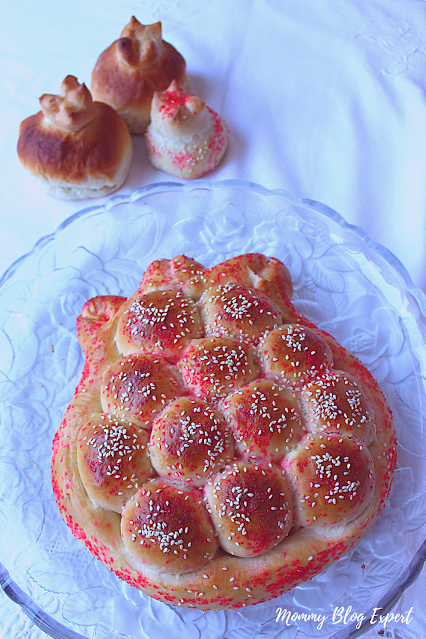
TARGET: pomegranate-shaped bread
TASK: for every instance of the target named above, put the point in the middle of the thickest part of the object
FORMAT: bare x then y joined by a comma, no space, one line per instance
132,68
220,449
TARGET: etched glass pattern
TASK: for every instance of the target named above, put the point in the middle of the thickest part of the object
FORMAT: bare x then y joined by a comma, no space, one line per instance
347,285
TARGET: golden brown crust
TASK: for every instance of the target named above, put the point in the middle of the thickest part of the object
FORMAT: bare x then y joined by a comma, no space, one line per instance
251,506
333,479
137,387
75,148
175,274
295,354
353,468
132,68
72,108
240,311
266,274
265,419
214,366
190,441
112,460
166,526
337,403
160,322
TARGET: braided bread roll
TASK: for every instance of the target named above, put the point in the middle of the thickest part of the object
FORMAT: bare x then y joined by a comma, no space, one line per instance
219,449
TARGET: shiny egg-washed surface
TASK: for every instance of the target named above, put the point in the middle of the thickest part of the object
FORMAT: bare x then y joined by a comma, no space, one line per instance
219,449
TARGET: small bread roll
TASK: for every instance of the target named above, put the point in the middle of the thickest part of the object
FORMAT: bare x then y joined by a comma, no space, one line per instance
189,441
213,367
172,274
295,354
265,420
138,387
251,506
161,322
333,479
112,459
75,148
128,72
185,138
240,311
336,402
167,527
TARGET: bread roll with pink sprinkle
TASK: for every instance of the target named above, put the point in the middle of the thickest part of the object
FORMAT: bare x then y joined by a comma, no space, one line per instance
186,138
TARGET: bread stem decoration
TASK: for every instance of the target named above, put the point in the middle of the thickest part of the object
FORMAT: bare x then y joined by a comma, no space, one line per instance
185,138
76,148
128,72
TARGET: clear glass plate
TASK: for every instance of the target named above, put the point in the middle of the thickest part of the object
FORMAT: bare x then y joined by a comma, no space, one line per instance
349,286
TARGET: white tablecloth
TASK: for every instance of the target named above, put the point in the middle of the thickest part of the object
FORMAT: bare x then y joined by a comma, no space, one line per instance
325,99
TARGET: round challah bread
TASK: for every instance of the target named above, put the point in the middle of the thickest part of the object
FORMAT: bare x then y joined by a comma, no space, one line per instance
219,449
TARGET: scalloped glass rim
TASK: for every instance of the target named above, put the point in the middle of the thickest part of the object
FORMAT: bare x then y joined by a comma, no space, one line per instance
149,189
11,589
